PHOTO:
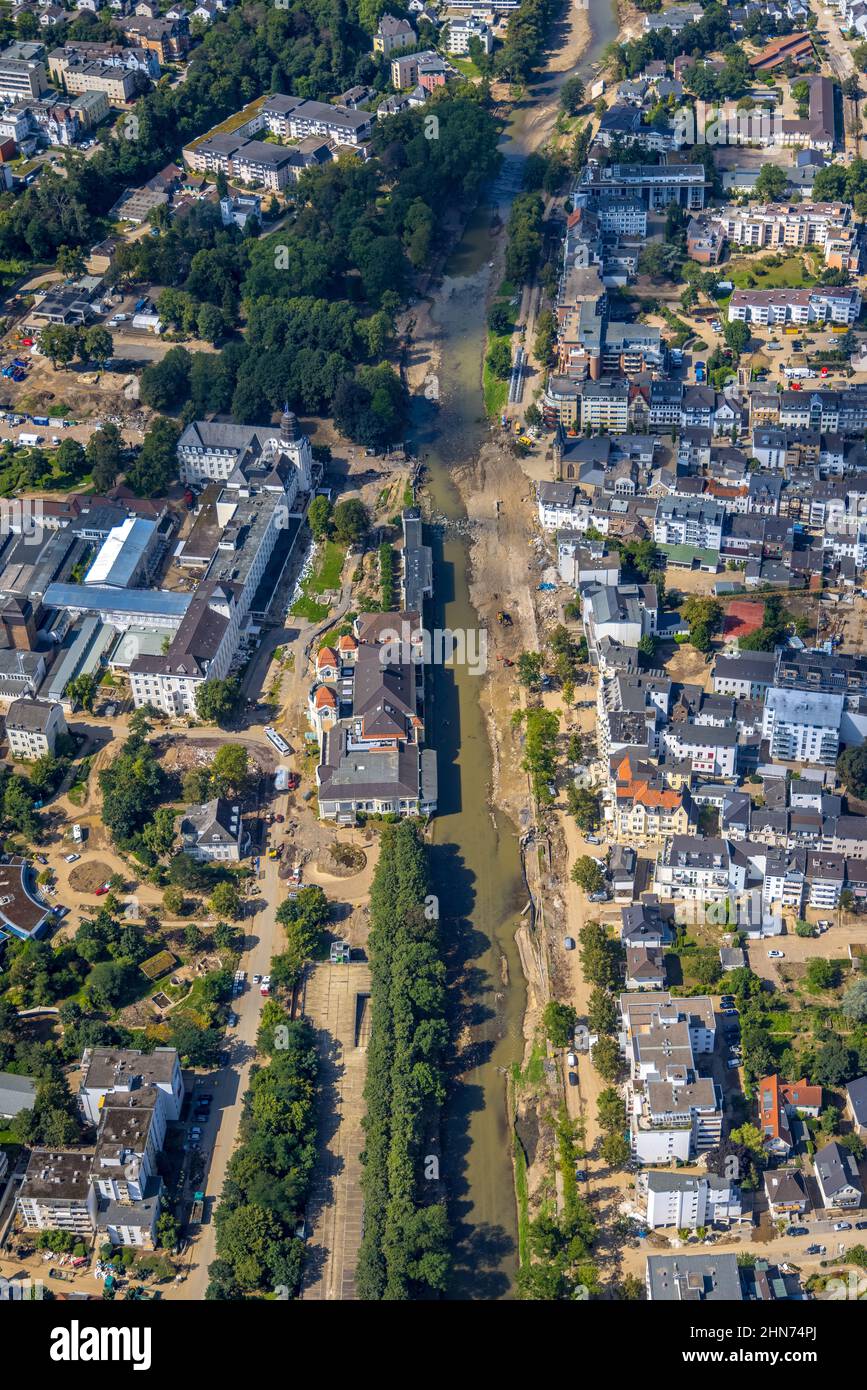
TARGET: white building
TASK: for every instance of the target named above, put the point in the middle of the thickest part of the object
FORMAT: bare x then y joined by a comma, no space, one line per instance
460,31
839,306
686,1201
33,728
692,521
802,726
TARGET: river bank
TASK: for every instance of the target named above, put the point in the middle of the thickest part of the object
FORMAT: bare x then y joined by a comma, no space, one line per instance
487,565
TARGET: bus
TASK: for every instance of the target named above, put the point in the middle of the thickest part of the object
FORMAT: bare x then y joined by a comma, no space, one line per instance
277,740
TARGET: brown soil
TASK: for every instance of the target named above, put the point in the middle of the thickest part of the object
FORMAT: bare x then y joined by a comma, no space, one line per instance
86,878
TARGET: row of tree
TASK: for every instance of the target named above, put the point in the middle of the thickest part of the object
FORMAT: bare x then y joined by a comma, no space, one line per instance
268,1176
404,1251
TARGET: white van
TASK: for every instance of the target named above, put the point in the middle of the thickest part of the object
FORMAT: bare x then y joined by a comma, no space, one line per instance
77,834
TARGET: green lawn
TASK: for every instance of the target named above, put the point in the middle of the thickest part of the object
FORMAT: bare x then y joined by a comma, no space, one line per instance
791,274
495,388
329,568
325,576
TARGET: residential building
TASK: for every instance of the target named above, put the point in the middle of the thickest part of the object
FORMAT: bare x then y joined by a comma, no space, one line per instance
705,1278
33,728
686,1201
392,34
802,726
836,1174
17,1093
802,307
786,1193
856,1105
214,831
778,1102
460,31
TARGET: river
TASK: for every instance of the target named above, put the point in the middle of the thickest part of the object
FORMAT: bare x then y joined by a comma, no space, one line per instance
475,857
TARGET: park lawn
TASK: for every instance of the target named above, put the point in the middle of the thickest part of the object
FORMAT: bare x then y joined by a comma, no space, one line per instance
326,576
329,569
496,389
792,274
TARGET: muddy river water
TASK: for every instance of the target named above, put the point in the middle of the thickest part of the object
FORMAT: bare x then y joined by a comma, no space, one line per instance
476,863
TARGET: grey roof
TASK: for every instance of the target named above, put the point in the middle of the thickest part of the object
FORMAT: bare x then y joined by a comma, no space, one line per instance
103,1068
711,1278
31,716
17,1093
215,822
857,1093
95,598
836,1169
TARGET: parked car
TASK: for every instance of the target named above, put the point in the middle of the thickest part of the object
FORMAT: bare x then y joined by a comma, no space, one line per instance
842,1225
815,1249
571,1059
71,858
593,839
729,1012
257,979
776,955
301,1229
232,1021
568,943
573,1079
798,1231
732,1063
861,1225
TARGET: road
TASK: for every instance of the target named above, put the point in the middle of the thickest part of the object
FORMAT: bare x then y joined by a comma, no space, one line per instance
262,941
842,65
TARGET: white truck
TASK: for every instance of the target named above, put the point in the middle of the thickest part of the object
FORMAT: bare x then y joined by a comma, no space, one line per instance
29,441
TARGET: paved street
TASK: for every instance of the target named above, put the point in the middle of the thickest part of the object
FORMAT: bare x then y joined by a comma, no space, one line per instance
262,941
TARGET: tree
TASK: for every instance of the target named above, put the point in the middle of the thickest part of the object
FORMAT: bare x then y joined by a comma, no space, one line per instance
852,770
59,342
81,690
572,95
854,1002
104,451
611,1111
217,700
173,899
319,517
558,1021
737,335
159,833
588,875
225,901
351,522
615,1150
529,667
833,1064
70,261
230,771
601,1011
607,1059
165,384
821,975
500,319
155,466
97,345
192,934
499,358
771,183
584,805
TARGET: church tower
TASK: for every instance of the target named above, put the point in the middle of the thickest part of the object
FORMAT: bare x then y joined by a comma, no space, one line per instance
296,446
